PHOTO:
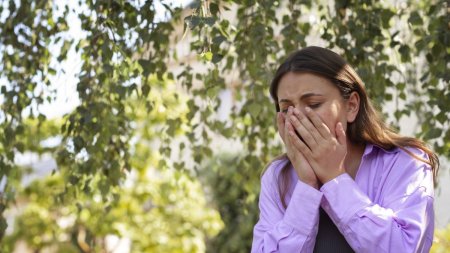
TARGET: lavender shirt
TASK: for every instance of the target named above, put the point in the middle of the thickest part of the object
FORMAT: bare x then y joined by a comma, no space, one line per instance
387,208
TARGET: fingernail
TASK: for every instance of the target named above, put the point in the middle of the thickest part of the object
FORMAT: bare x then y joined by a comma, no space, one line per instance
307,109
296,112
290,109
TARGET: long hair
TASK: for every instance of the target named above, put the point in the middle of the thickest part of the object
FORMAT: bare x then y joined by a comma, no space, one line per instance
368,126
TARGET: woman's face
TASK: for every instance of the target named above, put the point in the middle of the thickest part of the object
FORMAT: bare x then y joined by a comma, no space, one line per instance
305,89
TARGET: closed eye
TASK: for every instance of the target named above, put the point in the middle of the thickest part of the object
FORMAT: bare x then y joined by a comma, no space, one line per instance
314,106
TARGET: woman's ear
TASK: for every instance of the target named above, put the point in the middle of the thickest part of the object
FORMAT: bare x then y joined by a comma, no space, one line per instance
352,106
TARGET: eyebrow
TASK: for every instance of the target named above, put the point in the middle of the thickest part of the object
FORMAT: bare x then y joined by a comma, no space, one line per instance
304,96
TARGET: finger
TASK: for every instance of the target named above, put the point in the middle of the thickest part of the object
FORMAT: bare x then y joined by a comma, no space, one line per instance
305,162
303,133
289,128
287,140
306,130
286,128
299,145
340,134
318,123
280,125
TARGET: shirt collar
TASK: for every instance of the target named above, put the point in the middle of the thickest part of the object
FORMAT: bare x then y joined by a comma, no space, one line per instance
372,147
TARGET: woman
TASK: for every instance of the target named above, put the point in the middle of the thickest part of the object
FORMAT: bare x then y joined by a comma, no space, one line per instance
348,183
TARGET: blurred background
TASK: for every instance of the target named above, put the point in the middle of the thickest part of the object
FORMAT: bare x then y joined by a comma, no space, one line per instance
144,126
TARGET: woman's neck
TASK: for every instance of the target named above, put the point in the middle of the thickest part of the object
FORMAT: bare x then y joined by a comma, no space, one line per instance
353,158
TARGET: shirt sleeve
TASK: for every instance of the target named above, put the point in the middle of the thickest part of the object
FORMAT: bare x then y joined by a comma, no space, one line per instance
402,220
290,230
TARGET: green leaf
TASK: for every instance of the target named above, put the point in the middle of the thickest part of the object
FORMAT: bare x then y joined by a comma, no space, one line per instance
64,49
219,39
212,92
210,21
74,179
192,21
147,66
106,52
41,117
104,187
254,109
145,89
208,56
107,68
398,114
433,133
217,58
3,225
405,53
442,117
388,97
214,8
78,143
415,18
173,125
20,147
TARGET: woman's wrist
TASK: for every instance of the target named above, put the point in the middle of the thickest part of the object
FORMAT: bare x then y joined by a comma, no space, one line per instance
330,177
312,183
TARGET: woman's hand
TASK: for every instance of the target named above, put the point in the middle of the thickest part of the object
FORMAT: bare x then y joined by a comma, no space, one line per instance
324,150
304,171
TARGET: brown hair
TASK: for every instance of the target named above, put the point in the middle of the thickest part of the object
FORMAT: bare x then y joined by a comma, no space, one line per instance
368,126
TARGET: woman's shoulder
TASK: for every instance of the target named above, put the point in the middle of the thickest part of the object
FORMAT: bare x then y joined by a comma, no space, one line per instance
399,162
400,154
273,170
404,167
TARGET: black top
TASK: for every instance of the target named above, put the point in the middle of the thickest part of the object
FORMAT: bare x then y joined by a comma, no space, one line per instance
329,238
